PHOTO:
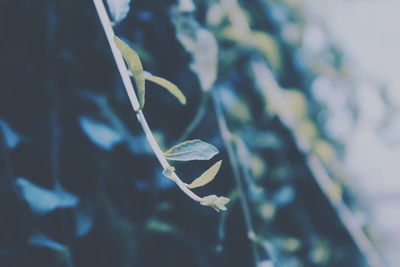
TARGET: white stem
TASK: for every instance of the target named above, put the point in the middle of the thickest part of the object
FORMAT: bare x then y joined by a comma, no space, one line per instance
106,23
161,158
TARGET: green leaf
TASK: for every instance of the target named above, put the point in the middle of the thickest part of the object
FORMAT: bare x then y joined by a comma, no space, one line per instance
135,66
154,225
172,88
191,150
207,176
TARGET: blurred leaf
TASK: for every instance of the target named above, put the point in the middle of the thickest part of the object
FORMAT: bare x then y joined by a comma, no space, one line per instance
83,222
320,253
236,107
307,129
118,9
200,43
335,191
296,102
42,200
258,166
205,58
101,134
44,241
267,210
261,41
207,176
191,150
285,195
290,244
154,225
172,88
186,6
135,66
324,150
12,139
261,139
268,47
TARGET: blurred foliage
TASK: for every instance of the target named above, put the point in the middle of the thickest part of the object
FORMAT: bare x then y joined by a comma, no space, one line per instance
79,185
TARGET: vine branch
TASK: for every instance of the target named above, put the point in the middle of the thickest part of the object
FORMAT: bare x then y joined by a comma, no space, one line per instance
227,138
106,23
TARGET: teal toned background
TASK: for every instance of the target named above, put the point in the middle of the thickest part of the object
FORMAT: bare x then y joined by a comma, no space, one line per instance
80,186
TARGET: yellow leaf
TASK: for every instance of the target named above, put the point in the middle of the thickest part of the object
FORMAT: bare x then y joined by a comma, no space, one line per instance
207,176
296,103
172,88
135,66
266,44
261,41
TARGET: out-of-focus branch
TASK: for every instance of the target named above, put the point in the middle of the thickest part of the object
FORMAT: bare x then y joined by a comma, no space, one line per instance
266,82
228,140
201,111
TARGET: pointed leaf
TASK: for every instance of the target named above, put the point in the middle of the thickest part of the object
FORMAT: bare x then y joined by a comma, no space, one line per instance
101,134
118,9
12,139
83,223
172,88
263,42
43,200
207,176
267,45
44,241
135,66
191,150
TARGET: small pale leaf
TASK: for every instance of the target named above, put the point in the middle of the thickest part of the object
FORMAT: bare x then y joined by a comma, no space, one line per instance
172,88
118,9
191,150
135,66
207,176
101,134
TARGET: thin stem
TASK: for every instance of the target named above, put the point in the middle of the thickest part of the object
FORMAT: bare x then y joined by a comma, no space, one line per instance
227,139
106,23
201,111
161,158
